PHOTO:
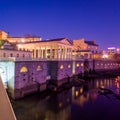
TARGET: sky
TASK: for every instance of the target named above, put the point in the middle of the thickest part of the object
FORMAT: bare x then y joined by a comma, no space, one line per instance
97,20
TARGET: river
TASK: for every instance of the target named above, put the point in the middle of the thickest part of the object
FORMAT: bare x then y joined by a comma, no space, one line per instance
94,100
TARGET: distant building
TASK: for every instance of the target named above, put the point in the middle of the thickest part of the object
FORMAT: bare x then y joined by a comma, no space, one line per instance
113,50
85,49
9,50
92,46
26,38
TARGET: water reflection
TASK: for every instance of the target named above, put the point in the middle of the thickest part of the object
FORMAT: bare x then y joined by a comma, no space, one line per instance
78,103
117,84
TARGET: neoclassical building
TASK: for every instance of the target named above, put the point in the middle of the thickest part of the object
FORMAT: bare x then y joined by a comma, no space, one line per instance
27,38
84,49
54,49
9,51
82,44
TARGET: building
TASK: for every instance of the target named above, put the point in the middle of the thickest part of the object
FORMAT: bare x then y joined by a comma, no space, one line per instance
54,49
9,51
85,49
27,38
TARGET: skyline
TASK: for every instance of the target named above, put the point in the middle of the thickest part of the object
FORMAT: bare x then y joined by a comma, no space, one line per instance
93,20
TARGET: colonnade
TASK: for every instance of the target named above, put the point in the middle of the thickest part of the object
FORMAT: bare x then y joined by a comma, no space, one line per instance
52,52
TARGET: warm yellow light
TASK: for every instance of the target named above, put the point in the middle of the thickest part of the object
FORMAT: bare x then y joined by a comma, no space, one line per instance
81,90
24,69
105,56
82,64
61,67
76,93
19,46
77,65
22,40
69,66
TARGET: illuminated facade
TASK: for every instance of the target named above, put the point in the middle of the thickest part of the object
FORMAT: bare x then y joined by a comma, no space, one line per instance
55,49
26,38
9,50
84,49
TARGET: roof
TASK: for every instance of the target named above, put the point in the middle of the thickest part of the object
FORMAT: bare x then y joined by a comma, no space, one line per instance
6,44
51,40
91,43
83,51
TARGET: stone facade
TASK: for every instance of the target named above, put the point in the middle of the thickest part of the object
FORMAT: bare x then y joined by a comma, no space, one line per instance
26,77
30,76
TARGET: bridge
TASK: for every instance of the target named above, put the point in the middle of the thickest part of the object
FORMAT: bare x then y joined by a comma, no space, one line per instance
6,110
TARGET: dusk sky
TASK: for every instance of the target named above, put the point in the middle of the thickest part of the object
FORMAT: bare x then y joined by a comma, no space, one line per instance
97,20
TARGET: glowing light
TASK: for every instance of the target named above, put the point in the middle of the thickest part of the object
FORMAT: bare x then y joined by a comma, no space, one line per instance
111,48
81,90
61,67
24,69
19,46
76,93
118,49
82,64
105,56
77,65
69,66
23,40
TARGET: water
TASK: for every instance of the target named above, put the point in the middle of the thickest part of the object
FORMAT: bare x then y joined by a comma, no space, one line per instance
86,102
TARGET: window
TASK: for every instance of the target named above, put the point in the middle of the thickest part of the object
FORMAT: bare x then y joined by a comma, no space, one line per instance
77,65
39,68
17,55
11,55
23,69
82,64
62,66
4,54
69,66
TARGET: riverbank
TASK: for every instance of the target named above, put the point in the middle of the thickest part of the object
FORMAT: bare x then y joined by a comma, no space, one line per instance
102,74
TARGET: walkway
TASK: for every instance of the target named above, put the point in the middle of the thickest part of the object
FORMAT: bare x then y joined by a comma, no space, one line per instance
6,111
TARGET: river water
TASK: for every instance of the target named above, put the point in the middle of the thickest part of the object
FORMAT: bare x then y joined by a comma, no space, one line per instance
97,99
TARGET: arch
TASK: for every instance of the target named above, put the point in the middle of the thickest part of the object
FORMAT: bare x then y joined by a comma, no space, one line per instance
24,69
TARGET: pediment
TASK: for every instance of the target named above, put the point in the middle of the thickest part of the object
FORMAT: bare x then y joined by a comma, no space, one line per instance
66,41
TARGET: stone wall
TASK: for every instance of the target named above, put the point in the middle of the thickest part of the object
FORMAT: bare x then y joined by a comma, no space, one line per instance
30,76
26,77
106,65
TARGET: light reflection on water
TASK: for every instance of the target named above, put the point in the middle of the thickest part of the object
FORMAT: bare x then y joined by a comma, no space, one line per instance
85,102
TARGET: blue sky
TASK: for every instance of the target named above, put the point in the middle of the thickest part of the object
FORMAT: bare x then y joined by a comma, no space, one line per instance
97,20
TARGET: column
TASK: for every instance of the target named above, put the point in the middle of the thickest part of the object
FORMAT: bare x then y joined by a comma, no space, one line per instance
70,53
38,52
45,52
65,55
33,53
51,52
41,53
57,53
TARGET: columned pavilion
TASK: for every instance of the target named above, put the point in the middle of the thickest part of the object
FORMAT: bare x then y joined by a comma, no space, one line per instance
55,49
